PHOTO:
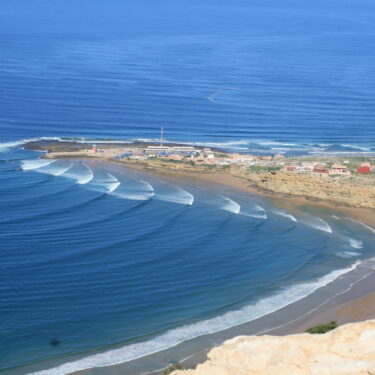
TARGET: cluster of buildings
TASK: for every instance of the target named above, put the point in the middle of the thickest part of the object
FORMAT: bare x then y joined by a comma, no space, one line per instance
206,156
186,153
334,169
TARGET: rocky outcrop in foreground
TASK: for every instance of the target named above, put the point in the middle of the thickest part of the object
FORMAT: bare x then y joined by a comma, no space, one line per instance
347,350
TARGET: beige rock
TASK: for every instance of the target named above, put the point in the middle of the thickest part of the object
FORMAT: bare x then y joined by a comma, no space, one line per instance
348,350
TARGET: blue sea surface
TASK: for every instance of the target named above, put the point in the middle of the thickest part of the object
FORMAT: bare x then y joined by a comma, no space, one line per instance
95,256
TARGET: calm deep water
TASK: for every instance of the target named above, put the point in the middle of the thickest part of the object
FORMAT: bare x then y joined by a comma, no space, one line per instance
94,255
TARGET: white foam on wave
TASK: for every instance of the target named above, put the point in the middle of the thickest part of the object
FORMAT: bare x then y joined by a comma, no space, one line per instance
260,212
28,165
181,196
317,223
63,170
54,170
356,244
361,148
82,176
284,214
259,208
231,206
5,146
132,196
113,184
145,192
348,254
178,335
85,178
148,186
220,144
256,216
101,141
108,184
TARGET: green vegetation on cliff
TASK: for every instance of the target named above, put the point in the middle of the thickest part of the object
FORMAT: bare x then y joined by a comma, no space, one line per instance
322,328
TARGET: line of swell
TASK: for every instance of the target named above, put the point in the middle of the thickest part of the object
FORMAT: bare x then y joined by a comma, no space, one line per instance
197,241
37,197
28,183
114,243
81,225
58,211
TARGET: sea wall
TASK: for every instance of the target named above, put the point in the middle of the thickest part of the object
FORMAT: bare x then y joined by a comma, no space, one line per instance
347,350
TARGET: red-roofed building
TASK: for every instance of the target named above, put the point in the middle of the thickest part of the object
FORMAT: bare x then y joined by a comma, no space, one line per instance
290,168
320,168
364,168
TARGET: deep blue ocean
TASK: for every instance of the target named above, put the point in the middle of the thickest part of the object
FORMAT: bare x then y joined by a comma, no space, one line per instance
95,257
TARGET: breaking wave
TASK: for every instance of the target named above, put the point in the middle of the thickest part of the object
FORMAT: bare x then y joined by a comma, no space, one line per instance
113,183
348,254
256,216
181,196
256,212
63,170
28,165
284,214
178,335
356,244
81,173
144,193
231,206
55,170
317,223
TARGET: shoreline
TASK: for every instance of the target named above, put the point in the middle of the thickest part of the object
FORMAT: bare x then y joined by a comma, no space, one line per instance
314,309
364,215
354,196
341,307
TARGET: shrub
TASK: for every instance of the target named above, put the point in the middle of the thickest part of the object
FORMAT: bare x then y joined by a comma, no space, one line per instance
322,328
171,368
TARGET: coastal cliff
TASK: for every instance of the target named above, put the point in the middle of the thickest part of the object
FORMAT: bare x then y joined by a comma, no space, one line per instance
354,192
347,350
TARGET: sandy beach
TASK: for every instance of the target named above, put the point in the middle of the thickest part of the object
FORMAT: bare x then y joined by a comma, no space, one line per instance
364,215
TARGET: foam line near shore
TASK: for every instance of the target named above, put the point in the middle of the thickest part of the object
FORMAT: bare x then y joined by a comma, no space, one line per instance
178,335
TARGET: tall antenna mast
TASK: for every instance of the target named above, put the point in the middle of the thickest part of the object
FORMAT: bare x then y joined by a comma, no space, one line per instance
161,136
